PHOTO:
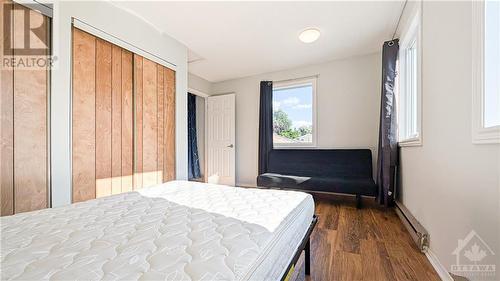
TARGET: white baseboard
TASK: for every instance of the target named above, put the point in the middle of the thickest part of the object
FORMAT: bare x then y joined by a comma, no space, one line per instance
440,269
244,184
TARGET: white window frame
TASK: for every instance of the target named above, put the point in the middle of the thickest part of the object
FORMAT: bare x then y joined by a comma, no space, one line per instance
412,37
293,83
480,134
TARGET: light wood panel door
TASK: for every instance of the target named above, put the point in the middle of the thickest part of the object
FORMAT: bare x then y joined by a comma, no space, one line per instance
161,123
127,122
154,150
102,118
30,127
116,120
24,105
138,119
150,123
103,109
123,108
7,125
84,131
169,154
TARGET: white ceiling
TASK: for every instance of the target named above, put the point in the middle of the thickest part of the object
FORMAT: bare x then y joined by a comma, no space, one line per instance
235,39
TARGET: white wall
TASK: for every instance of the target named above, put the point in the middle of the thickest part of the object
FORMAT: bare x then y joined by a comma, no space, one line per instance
199,84
449,184
348,101
121,24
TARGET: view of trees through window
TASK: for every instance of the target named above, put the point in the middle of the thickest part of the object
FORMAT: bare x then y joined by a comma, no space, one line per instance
292,115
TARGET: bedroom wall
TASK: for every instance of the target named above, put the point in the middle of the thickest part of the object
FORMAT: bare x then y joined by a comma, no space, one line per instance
199,84
131,29
449,184
348,93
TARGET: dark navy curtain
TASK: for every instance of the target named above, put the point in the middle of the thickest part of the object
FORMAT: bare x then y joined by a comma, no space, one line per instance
388,133
193,159
265,124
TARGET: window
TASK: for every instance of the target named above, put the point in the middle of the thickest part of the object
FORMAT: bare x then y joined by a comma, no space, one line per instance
294,118
492,64
409,100
486,99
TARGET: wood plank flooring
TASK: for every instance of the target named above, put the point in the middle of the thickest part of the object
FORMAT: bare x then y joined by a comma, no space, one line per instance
363,244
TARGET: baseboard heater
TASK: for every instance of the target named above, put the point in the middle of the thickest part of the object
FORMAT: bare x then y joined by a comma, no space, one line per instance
416,230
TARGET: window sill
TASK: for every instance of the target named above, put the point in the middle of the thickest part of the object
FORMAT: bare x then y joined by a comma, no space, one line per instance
295,147
414,141
486,135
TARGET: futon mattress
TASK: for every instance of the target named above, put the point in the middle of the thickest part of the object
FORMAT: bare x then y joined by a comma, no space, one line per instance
174,231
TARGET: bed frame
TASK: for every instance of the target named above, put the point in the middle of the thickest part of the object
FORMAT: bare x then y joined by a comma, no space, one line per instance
305,246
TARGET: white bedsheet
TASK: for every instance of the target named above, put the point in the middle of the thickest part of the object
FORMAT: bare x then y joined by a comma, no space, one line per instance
175,231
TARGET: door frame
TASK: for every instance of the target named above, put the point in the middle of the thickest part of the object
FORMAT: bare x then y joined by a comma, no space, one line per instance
205,96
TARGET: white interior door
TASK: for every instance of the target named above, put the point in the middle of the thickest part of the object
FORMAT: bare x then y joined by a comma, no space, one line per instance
221,139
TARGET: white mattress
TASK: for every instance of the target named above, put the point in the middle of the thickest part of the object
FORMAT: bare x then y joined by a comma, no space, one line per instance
175,231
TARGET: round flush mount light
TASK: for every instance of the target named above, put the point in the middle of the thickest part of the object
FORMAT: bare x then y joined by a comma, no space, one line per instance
309,35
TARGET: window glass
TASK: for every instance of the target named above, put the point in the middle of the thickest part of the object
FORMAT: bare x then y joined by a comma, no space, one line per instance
408,97
411,91
293,115
492,64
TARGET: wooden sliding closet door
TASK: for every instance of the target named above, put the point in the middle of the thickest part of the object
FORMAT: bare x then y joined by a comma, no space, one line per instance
84,114
150,123
138,118
169,154
123,119
7,126
24,105
154,123
127,156
102,118
116,119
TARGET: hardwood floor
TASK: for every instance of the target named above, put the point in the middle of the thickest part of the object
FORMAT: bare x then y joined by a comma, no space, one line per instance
363,244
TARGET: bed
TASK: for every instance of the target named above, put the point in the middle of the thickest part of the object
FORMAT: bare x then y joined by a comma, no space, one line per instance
178,230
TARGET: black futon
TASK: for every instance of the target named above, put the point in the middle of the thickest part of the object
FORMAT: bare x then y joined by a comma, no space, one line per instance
325,170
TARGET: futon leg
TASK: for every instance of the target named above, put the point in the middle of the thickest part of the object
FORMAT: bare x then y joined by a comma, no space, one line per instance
307,257
358,201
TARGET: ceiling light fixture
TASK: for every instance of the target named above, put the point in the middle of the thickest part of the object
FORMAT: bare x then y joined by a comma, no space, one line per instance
309,35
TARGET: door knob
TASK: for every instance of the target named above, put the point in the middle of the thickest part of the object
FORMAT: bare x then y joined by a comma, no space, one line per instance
230,146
